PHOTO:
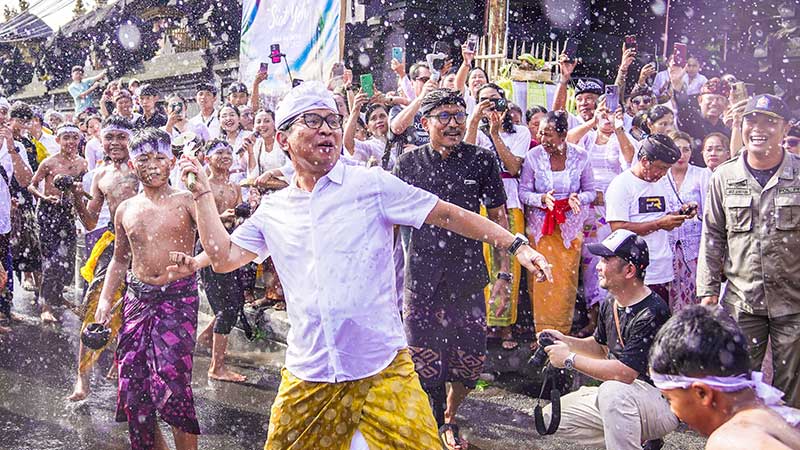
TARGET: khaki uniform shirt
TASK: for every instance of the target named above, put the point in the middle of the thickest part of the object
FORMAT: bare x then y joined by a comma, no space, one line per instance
752,236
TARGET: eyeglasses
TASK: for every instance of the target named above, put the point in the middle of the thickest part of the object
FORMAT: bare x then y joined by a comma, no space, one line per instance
643,101
791,142
315,121
444,117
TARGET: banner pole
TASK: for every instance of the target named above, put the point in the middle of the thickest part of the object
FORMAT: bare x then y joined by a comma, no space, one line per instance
342,23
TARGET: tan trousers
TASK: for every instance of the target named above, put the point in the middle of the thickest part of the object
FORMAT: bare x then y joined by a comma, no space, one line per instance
615,415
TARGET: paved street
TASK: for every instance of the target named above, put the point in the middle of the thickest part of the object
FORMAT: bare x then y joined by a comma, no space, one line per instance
36,374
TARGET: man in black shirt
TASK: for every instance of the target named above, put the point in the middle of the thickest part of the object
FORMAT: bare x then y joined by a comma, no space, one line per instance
444,309
626,409
702,116
152,116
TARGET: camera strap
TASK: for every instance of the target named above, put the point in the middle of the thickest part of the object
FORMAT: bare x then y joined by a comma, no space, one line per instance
616,322
555,412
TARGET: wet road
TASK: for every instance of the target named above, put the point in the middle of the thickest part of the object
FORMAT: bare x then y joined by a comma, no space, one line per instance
36,374
37,364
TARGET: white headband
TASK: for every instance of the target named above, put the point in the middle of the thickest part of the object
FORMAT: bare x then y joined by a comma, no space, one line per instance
769,395
68,128
219,146
111,128
4,103
148,147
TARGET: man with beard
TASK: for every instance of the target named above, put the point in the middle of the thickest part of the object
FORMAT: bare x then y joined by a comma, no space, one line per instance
751,233
112,184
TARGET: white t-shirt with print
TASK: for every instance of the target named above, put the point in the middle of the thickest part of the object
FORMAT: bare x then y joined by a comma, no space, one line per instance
631,199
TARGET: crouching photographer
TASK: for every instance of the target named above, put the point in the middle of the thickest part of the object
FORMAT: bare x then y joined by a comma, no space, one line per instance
626,411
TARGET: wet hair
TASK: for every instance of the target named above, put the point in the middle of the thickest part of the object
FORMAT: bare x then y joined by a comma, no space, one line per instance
20,110
413,72
475,69
117,121
371,108
149,136
508,123
653,115
700,341
675,135
640,121
532,111
560,121
441,97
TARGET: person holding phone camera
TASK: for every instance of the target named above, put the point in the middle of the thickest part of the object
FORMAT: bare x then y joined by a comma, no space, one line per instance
638,200
625,411
688,184
751,237
177,121
490,127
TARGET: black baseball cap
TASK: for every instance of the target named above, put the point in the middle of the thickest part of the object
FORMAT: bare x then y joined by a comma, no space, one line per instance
624,244
767,104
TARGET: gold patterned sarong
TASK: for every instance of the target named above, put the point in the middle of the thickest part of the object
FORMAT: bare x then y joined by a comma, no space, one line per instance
516,222
96,283
390,409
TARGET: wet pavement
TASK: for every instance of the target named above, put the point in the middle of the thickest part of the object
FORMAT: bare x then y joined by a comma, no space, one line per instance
37,366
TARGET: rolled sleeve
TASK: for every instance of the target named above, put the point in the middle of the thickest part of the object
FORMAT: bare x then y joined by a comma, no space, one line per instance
250,236
402,203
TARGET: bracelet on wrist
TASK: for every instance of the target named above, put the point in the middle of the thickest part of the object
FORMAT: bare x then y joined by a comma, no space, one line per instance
197,197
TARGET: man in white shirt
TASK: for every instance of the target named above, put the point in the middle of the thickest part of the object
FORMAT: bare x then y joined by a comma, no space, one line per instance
636,200
348,376
12,164
206,98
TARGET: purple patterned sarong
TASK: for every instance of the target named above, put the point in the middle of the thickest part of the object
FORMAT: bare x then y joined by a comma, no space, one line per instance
156,345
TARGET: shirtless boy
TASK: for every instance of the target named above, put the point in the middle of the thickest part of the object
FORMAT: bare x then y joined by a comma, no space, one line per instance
224,290
112,183
157,338
699,361
56,218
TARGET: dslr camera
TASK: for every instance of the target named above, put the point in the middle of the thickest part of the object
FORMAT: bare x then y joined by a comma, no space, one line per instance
539,358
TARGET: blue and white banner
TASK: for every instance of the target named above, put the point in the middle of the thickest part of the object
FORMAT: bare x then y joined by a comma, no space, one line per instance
307,31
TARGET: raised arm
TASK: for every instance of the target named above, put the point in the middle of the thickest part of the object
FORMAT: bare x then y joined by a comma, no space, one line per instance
566,66
474,226
405,118
463,71
349,134
225,256
255,97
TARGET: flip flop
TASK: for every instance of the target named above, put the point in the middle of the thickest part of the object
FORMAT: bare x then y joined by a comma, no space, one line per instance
456,437
509,344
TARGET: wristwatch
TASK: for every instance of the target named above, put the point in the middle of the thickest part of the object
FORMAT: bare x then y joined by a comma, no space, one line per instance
505,276
519,241
569,363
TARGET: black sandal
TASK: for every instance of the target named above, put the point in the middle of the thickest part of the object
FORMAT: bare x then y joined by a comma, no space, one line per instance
456,438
